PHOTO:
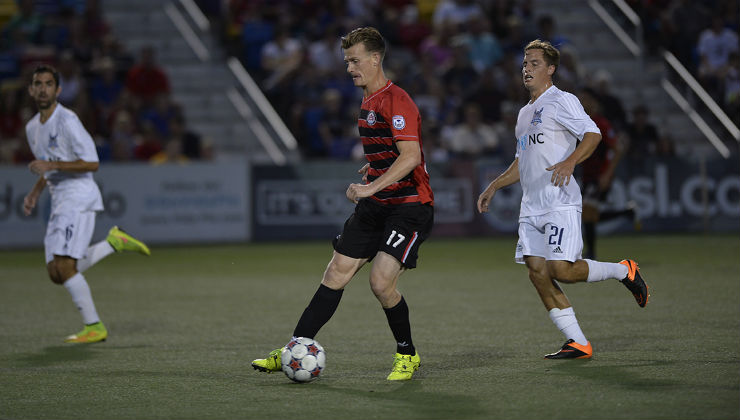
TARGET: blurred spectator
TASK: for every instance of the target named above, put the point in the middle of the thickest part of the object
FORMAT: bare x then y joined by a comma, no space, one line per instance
482,45
681,28
10,114
459,76
190,142
325,54
716,43
145,79
472,137
547,32
456,11
569,76
159,113
506,129
333,125
731,82
488,97
280,58
24,27
105,88
436,47
70,80
643,136
149,144
123,137
255,33
611,106
172,153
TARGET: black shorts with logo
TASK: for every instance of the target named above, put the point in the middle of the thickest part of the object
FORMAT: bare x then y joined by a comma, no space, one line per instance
397,230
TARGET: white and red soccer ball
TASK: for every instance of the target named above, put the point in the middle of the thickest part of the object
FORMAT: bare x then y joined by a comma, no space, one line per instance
303,359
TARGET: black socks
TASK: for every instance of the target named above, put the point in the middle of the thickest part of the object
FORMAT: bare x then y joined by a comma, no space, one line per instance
398,320
318,312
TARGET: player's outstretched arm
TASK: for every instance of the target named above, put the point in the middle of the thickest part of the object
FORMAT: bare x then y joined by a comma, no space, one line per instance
508,177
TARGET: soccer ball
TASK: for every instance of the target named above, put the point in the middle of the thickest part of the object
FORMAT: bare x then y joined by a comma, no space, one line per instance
303,359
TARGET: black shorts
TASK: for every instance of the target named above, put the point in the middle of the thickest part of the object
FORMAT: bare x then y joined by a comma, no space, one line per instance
397,230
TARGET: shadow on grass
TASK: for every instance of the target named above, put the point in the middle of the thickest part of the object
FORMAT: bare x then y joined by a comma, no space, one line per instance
624,375
53,355
413,396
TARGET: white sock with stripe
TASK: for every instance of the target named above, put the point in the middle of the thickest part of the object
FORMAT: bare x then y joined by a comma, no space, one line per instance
565,320
598,271
77,287
94,254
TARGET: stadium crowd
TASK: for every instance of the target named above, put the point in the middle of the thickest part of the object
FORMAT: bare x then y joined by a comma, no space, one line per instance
124,101
457,58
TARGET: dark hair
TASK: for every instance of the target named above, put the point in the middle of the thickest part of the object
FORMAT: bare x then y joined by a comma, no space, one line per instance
369,36
45,68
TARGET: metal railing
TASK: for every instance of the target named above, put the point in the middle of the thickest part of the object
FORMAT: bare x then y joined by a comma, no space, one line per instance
636,47
249,87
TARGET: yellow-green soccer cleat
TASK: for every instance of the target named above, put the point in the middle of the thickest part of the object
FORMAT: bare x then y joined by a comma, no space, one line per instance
271,364
122,241
90,334
404,366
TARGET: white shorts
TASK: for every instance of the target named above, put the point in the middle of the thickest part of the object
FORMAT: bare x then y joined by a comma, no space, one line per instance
69,234
552,236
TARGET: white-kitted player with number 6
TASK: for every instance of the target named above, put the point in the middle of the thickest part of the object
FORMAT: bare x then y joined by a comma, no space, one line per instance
548,130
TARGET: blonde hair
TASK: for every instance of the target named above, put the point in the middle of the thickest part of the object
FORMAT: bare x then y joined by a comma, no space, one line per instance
551,54
369,36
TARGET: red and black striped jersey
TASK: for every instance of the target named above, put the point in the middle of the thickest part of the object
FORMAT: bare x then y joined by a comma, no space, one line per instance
387,116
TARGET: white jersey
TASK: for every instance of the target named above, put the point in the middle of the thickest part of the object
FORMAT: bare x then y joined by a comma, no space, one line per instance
63,138
547,132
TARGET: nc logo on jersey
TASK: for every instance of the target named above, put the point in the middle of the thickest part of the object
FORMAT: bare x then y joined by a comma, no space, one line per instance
398,122
522,142
371,118
537,118
53,141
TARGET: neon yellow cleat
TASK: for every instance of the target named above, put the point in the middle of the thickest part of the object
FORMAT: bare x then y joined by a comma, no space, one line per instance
271,364
90,334
122,241
404,366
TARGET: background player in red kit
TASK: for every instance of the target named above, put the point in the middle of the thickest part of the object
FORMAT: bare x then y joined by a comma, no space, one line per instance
394,212
597,175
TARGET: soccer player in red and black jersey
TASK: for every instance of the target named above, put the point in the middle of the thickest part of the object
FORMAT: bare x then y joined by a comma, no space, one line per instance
598,174
394,212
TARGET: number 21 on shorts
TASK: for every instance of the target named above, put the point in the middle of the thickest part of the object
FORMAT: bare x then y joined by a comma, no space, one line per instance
557,235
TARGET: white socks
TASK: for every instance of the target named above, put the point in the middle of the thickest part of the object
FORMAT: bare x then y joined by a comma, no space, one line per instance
598,271
81,296
565,320
95,253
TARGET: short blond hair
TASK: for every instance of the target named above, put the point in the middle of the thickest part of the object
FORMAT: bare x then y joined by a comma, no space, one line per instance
369,36
551,54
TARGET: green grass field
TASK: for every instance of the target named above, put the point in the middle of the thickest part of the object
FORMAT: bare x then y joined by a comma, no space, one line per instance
185,323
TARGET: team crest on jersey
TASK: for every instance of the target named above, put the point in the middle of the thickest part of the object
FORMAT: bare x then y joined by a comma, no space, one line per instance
537,118
399,122
53,141
370,118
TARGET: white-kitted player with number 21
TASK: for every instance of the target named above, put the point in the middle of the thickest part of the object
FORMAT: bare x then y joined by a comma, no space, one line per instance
548,131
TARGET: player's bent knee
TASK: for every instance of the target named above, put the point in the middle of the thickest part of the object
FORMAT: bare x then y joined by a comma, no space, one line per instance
561,270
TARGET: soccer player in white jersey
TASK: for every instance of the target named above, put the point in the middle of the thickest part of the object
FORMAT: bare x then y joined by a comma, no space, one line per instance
65,160
548,131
